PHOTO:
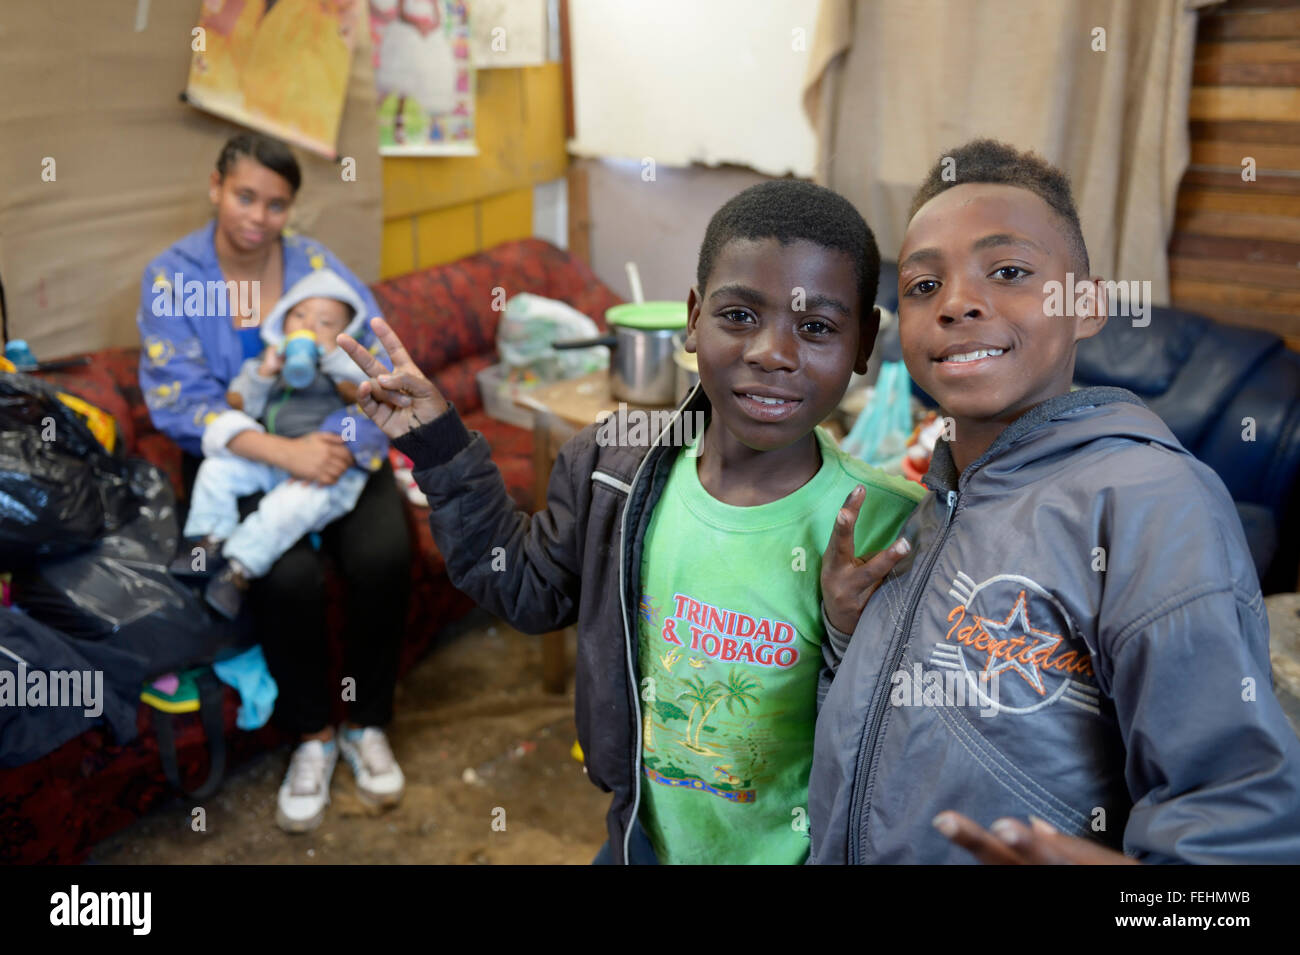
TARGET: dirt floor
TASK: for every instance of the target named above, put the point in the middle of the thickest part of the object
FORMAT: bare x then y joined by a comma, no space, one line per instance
489,778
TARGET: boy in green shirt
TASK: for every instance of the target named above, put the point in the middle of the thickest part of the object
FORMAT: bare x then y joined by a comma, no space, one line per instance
692,578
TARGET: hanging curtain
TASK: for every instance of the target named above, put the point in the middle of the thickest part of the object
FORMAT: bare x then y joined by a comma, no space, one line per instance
1098,87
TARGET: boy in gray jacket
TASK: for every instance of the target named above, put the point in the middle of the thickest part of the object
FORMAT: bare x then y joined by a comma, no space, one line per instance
1079,636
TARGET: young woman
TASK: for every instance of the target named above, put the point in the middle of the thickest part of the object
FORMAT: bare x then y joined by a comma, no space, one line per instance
201,302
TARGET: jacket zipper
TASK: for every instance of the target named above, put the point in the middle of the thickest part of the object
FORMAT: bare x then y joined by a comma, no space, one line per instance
631,668
868,745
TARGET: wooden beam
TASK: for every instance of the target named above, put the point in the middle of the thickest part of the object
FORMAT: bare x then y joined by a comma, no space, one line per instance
1281,184
1274,228
1250,25
1246,74
1253,51
1246,132
1257,251
1230,155
1258,203
579,212
566,55
1255,274
1230,295
1269,103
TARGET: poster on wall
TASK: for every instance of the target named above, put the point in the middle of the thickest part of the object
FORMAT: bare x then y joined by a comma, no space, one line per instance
278,66
424,77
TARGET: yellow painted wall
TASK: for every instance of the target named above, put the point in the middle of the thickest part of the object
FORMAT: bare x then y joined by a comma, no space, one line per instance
439,209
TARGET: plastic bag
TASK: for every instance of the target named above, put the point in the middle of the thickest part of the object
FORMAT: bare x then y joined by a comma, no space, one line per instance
120,590
880,434
529,327
117,594
60,490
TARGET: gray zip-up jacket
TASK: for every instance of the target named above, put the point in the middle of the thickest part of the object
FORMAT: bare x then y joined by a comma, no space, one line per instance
577,561
1078,634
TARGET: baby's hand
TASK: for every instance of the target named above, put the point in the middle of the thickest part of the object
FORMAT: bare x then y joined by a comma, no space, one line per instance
347,391
849,581
272,362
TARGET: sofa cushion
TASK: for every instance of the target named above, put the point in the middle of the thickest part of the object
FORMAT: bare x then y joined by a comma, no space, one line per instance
447,315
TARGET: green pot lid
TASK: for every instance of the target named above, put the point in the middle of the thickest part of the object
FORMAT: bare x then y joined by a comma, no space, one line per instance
649,315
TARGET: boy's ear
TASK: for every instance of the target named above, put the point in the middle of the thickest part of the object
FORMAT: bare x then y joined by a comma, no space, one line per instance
692,317
1091,318
214,187
869,325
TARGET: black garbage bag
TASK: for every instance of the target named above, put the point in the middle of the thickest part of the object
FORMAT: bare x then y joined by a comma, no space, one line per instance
116,593
60,490
96,533
120,591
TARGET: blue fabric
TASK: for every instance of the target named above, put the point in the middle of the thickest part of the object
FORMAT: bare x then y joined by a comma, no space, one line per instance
249,675
187,361
251,339
639,850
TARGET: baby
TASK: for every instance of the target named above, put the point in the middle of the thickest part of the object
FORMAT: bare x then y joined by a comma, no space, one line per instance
321,305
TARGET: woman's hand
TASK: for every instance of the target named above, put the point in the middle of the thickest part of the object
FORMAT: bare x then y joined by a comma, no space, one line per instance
319,457
1011,842
401,400
847,580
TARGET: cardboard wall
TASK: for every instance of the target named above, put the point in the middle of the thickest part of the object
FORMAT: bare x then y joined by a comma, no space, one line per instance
83,86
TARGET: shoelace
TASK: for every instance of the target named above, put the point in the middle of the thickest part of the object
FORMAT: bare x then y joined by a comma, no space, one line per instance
375,751
307,770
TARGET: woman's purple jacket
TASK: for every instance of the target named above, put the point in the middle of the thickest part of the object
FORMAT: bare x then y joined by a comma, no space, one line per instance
191,352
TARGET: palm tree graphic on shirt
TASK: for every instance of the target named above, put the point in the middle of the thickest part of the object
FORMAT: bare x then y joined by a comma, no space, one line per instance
707,697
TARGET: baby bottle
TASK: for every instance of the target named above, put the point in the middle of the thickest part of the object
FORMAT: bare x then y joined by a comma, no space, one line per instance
301,356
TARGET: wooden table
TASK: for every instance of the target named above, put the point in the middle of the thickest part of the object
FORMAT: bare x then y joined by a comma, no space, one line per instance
559,411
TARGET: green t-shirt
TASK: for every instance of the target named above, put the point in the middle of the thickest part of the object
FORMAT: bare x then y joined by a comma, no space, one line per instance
729,654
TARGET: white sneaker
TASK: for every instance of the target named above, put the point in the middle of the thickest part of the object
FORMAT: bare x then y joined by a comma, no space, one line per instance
305,792
379,779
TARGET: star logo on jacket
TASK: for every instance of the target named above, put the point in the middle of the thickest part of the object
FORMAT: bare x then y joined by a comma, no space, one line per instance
1010,624
1018,632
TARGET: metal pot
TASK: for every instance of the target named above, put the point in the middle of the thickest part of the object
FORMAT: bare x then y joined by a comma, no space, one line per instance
641,368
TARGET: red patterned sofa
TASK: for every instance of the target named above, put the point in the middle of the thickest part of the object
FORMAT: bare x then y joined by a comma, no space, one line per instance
55,809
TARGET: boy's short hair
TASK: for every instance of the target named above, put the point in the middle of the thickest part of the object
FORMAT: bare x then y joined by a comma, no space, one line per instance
266,150
789,210
989,161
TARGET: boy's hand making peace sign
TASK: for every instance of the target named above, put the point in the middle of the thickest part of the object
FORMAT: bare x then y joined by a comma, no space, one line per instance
848,580
400,400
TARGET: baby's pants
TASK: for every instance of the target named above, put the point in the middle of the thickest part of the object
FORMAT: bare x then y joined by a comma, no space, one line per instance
289,510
